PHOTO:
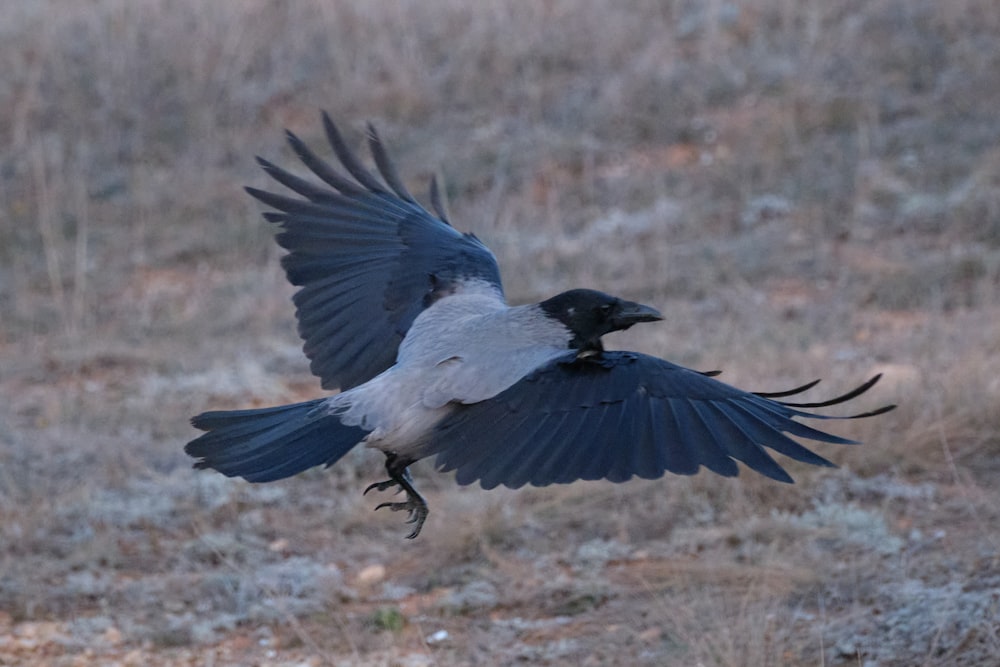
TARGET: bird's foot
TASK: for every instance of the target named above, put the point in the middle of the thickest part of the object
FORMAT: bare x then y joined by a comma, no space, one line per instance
414,503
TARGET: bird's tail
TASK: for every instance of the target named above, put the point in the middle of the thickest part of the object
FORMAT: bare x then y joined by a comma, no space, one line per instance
267,444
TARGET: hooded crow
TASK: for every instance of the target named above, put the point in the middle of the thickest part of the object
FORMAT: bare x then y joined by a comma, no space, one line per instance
407,318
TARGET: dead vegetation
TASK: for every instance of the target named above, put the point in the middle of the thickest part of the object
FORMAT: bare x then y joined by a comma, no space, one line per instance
804,189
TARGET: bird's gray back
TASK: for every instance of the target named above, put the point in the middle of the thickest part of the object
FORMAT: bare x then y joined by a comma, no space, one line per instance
464,349
472,346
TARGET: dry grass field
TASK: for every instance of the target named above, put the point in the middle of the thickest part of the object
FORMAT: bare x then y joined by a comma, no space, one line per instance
804,189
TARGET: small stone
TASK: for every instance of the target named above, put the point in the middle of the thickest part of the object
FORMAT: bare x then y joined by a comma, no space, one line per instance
651,635
371,574
437,637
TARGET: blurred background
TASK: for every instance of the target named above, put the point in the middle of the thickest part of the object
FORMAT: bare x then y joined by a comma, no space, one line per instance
804,189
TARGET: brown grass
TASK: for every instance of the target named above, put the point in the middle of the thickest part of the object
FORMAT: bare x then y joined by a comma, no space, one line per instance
804,189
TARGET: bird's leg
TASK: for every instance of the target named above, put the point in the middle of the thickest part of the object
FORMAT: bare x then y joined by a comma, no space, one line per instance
399,475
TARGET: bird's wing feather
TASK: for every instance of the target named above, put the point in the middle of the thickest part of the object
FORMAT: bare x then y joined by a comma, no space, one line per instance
368,259
615,416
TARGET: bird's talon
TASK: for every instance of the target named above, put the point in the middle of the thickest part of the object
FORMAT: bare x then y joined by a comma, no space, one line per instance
397,507
380,486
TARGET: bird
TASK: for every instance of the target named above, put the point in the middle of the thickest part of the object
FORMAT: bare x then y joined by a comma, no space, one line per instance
406,318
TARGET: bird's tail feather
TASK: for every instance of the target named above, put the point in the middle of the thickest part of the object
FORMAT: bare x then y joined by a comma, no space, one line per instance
268,444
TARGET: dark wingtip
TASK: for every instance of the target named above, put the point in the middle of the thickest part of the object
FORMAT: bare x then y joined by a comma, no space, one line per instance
328,123
297,145
348,159
843,398
256,193
385,165
265,164
789,392
333,135
437,201
874,413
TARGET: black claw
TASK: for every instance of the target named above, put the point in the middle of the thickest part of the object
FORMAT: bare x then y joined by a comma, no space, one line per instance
418,518
395,507
379,486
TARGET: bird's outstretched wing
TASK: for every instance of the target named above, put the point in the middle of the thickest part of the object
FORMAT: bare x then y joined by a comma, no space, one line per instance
368,257
621,414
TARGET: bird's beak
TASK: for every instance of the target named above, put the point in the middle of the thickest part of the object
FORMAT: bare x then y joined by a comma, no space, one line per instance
632,313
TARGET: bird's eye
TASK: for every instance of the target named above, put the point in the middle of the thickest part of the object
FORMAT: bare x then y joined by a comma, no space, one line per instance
605,309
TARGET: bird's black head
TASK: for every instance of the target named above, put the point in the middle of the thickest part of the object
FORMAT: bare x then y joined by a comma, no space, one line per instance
590,314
